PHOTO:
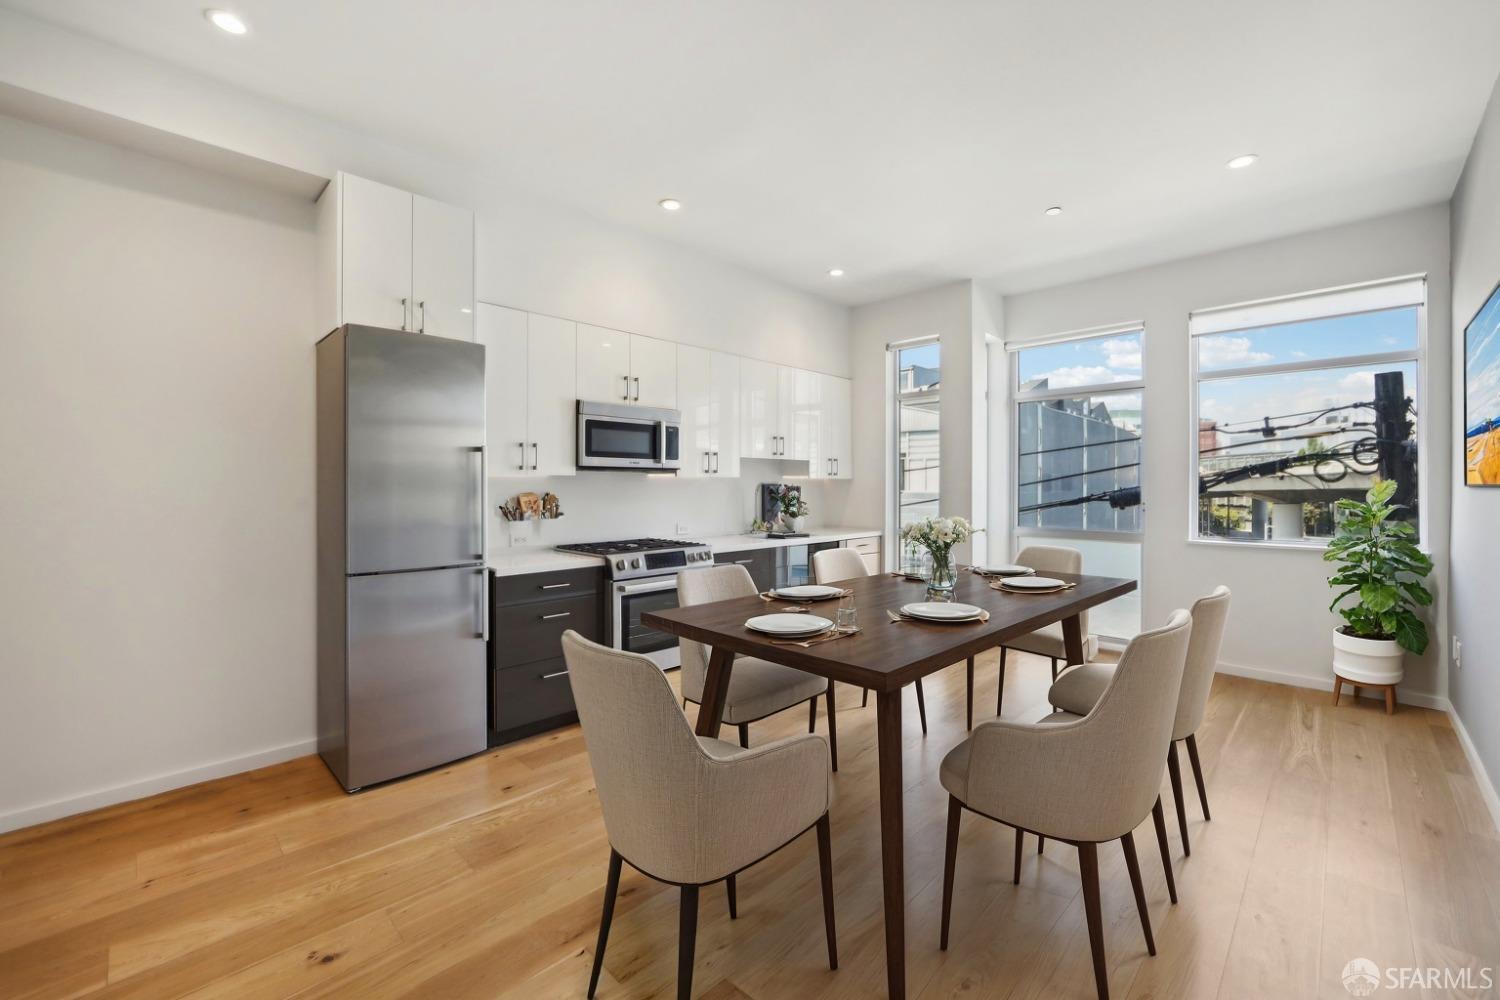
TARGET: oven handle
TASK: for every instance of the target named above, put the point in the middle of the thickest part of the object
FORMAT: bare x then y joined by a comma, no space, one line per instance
648,588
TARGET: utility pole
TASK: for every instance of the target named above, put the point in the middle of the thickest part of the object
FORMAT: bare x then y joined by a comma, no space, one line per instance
1392,431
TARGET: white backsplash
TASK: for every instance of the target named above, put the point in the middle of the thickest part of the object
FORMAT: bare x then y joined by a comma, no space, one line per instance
604,506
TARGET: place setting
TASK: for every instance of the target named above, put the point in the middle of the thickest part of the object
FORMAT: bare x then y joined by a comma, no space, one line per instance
939,612
1031,585
809,593
802,628
1002,571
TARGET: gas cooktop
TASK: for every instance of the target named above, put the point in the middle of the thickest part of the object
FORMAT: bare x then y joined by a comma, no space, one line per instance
640,557
630,546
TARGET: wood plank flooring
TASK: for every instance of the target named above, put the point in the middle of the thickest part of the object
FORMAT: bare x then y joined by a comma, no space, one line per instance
1337,833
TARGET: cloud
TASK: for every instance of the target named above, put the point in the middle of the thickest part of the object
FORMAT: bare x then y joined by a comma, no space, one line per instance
1222,351
1063,378
1122,353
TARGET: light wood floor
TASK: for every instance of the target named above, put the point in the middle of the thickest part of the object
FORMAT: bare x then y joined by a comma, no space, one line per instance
1337,832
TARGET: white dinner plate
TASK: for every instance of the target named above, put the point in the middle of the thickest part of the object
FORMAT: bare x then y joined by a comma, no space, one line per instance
1032,583
942,611
1006,570
809,592
789,624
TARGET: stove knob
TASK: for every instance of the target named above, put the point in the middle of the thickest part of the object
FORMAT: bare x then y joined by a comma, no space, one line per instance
635,564
619,564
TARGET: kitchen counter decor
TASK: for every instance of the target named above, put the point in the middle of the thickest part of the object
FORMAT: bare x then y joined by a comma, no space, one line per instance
938,535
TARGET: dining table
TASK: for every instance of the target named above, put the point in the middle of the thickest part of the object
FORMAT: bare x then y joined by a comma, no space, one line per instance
883,657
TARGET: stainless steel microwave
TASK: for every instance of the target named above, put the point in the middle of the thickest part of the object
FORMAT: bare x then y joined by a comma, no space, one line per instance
622,436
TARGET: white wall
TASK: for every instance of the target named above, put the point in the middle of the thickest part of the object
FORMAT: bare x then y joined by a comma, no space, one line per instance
1474,685
156,418
1280,627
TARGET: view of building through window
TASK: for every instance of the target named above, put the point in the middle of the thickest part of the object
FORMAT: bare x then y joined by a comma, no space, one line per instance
1292,417
918,380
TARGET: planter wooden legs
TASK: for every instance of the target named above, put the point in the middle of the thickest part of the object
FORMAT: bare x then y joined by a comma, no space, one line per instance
1390,692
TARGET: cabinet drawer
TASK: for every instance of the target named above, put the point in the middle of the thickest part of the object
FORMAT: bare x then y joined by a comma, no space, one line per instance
542,586
760,562
524,633
531,693
864,546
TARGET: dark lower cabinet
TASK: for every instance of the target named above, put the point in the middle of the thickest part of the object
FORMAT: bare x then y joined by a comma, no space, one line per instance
760,562
529,690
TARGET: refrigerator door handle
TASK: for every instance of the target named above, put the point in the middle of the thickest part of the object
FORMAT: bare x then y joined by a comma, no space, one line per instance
484,605
483,481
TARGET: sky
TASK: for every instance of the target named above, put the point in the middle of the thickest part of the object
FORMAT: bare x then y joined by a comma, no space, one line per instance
1482,363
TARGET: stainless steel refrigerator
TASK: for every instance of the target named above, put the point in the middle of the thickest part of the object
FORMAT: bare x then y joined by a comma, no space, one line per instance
402,604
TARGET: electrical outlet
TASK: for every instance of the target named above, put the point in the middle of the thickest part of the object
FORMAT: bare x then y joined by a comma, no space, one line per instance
1458,652
682,529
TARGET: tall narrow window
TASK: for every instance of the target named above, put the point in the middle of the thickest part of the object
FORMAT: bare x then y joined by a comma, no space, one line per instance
918,381
1077,457
1301,402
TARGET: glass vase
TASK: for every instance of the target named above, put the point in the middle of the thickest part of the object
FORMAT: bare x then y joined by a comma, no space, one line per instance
940,578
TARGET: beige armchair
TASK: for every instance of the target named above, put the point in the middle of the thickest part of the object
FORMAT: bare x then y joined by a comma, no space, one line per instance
1083,781
836,565
1047,641
757,688
1078,688
684,809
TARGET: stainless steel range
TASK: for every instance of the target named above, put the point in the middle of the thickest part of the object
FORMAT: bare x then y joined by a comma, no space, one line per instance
643,578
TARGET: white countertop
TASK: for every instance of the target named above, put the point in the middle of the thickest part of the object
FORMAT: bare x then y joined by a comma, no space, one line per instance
521,559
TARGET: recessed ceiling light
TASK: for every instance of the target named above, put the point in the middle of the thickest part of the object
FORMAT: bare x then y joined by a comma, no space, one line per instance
835,272
225,21
1242,161
670,204
1054,210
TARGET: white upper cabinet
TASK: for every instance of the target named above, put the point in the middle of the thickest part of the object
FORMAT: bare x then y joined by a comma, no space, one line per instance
708,394
530,394
394,260
442,269
626,368
760,409
834,460
806,415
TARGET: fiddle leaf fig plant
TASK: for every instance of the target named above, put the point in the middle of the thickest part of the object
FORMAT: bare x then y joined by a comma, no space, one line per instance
1380,571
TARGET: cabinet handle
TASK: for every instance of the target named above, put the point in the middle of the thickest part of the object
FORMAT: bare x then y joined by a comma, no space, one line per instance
637,382
522,466
422,326
403,314
626,397
560,614
555,673
706,468
533,456
716,463
743,562
552,586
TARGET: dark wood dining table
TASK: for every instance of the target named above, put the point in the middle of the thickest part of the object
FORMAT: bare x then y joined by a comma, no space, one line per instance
884,657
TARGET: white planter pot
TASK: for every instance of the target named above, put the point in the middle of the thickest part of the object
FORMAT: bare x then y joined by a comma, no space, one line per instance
796,523
1367,661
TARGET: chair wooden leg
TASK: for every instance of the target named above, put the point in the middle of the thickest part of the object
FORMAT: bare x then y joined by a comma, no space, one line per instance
950,860
1015,878
1054,670
734,901
1192,747
833,730
745,735
969,705
1338,686
1134,866
1088,868
825,871
864,699
922,707
611,889
1160,820
687,941
1174,770
812,713
1041,844
1000,693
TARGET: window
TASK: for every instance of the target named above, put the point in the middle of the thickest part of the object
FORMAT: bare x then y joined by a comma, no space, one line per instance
1300,402
1077,457
918,380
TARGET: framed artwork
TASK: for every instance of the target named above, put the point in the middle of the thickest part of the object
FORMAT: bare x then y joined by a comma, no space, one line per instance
1482,394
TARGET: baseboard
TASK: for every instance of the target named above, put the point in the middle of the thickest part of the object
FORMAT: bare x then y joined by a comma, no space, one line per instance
98,799
1418,699
1481,775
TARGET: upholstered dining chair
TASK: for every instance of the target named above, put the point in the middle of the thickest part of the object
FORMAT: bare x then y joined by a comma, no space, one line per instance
684,809
835,565
1083,781
1077,689
757,688
1048,640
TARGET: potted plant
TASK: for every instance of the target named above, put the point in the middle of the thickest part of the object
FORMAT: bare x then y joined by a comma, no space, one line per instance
1380,573
794,509
938,535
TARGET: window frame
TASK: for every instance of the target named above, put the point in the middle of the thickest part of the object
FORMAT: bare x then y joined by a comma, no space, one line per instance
1362,298
894,397
1019,398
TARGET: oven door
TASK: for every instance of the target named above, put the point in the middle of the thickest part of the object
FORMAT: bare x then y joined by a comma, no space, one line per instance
629,602
606,442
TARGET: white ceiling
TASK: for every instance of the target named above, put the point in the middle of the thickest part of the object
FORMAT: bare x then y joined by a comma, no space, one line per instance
906,142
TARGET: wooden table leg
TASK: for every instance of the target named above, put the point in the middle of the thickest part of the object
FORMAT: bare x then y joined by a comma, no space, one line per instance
715,690
892,839
1072,630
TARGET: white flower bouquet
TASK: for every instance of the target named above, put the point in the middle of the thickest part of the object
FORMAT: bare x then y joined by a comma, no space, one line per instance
938,535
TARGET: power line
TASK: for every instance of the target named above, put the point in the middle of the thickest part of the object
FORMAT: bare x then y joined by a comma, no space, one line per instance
1078,475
